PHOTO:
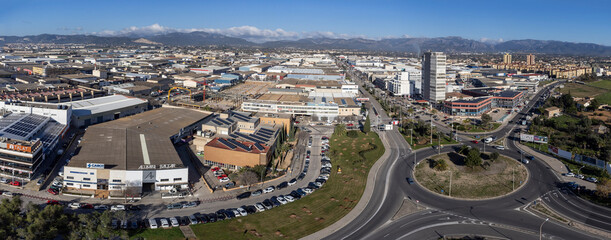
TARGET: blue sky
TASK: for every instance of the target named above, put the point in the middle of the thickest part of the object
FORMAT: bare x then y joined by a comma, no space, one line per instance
574,21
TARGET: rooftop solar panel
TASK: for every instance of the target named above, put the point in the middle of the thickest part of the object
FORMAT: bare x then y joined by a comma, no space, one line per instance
258,146
239,144
224,142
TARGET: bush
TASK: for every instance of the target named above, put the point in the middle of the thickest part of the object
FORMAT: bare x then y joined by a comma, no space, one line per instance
494,156
473,158
352,134
441,165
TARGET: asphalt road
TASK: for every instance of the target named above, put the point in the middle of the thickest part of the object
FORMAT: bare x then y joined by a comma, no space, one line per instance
499,217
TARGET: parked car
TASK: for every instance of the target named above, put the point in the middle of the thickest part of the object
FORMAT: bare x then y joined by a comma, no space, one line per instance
153,223
292,182
86,206
243,195
174,206
189,204
225,179
282,185
269,189
257,193
117,208
193,220
282,200
569,174
289,198
475,141
100,207
52,191
74,205
242,212
260,207
164,223
267,204
174,222
40,181
15,183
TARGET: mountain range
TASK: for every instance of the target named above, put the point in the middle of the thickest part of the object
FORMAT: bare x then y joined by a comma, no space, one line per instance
412,45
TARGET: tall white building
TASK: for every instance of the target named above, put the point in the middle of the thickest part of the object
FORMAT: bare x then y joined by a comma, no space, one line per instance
400,85
434,76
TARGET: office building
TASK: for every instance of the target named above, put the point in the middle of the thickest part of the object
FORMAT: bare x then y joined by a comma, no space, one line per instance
434,76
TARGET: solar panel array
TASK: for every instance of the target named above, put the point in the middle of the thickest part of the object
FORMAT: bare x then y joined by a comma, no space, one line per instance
241,117
258,146
224,142
51,132
239,144
26,125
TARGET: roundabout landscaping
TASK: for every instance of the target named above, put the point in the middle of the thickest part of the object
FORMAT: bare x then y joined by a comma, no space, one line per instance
490,179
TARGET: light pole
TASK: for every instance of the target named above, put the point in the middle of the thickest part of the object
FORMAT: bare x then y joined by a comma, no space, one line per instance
579,171
414,160
541,229
411,138
450,190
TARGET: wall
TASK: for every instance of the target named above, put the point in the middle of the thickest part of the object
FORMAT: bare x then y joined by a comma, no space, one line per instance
234,157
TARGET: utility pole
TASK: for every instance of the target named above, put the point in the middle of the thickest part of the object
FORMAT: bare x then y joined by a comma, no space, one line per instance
438,143
513,178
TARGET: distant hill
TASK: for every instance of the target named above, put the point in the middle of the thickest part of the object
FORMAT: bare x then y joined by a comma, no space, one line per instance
413,45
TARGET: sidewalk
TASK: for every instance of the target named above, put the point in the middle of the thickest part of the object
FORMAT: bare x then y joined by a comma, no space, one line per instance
556,166
360,206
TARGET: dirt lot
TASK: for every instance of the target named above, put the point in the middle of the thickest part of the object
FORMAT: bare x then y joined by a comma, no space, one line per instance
606,115
477,183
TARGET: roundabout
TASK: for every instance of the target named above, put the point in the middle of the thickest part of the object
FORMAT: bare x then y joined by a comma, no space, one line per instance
447,174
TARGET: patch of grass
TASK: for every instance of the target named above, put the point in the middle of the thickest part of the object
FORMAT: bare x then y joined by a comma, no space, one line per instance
316,211
606,84
581,90
478,183
160,233
543,83
444,141
478,128
604,98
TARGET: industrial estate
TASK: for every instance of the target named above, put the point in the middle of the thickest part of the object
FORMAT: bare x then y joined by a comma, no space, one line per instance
150,140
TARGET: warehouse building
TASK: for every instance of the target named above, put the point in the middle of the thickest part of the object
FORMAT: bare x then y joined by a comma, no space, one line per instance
103,109
135,153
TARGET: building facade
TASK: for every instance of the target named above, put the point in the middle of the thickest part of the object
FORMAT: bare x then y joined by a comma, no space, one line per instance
434,76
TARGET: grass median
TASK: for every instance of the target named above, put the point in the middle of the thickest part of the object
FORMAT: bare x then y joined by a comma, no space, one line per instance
316,211
491,179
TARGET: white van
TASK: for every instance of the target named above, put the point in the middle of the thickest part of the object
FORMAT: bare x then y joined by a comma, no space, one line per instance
153,223
488,140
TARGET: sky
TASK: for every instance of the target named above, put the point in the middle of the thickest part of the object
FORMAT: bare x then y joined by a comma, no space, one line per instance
490,20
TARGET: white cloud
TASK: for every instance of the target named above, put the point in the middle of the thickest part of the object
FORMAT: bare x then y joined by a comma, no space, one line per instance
250,33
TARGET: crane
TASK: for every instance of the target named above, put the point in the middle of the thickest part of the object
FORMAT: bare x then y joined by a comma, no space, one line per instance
173,88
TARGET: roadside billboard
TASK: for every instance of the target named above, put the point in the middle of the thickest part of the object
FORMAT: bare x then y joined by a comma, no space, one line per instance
532,138
527,137
559,152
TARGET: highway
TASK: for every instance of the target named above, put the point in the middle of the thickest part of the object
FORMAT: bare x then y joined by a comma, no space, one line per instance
502,217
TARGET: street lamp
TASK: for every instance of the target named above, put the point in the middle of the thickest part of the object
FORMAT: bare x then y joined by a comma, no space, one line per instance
579,171
541,228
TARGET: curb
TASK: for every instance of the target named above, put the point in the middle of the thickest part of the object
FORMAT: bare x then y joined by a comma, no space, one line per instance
363,201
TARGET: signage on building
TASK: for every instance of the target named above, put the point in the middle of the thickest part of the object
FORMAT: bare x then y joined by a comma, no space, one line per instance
149,176
162,166
95,165
148,166
533,138
19,148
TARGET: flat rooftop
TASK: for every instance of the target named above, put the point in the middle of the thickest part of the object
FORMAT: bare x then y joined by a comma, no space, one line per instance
104,104
141,139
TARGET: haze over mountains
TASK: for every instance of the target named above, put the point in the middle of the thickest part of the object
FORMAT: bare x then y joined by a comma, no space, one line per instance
408,44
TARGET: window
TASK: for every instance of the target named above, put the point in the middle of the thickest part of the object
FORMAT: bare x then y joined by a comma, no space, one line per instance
86,179
86,185
177,179
165,180
69,177
69,184
116,180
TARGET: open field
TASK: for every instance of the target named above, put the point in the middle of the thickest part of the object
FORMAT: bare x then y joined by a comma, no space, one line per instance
606,84
581,90
316,211
477,183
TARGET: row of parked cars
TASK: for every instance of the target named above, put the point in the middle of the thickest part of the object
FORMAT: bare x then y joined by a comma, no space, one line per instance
9,182
581,176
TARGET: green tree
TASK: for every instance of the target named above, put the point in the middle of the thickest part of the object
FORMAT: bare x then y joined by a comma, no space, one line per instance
410,111
473,158
486,119
494,156
260,170
441,165
352,134
464,149
367,125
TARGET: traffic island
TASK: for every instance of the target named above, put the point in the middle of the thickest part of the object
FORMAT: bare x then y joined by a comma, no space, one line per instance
462,176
